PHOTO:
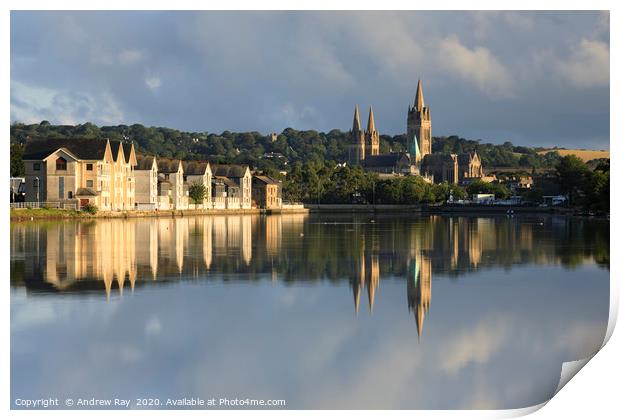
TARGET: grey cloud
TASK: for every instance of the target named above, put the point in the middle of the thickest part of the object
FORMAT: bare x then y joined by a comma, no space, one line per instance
491,75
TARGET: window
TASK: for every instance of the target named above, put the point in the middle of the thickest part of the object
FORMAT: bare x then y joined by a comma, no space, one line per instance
61,187
36,166
89,166
61,164
89,183
70,194
35,183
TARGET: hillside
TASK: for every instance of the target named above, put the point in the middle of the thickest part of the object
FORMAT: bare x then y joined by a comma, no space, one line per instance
264,152
583,154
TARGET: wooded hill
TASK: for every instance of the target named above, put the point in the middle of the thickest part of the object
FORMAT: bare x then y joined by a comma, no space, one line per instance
260,152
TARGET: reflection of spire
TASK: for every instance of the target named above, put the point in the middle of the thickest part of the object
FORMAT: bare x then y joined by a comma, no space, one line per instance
246,239
365,273
207,240
373,281
419,290
358,283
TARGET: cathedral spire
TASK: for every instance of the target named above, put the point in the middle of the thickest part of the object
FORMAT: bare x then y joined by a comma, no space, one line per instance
357,126
418,103
371,122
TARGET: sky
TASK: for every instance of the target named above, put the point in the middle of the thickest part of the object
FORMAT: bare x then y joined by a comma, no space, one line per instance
532,78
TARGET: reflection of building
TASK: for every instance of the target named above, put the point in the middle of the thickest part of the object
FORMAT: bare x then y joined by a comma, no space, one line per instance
419,290
365,274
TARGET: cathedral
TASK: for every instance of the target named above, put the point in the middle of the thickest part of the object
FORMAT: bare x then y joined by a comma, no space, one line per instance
419,158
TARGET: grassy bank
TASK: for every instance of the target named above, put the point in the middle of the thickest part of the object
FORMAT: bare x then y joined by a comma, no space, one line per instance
30,214
45,213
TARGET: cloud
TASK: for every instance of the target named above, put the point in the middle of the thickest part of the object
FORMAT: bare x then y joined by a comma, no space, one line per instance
474,346
308,70
130,56
478,66
153,326
152,82
588,65
30,104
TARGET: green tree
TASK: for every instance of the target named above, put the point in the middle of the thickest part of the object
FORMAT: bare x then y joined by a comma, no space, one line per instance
17,164
572,174
197,192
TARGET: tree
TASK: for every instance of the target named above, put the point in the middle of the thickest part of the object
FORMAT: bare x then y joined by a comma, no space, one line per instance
572,174
480,187
197,192
17,164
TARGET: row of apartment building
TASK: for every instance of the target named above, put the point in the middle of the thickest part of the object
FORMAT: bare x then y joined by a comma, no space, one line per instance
112,176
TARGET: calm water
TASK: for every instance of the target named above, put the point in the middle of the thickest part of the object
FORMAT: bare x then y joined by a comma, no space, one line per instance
323,311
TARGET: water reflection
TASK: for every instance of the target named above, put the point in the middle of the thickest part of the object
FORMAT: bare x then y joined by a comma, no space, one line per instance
82,257
326,303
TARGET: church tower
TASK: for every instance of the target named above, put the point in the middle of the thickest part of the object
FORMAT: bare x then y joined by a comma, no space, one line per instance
357,146
419,123
372,136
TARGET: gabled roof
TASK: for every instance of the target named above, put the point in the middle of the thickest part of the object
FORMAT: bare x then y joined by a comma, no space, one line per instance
438,158
168,166
225,180
128,148
265,179
394,159
464,158
86,149
144,163
195,168
230,171
83,192
115,145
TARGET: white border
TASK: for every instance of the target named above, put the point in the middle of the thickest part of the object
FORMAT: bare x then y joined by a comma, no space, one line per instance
593,394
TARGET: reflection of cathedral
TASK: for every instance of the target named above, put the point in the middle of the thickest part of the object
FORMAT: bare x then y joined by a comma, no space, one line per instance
113,254
419,285
366,275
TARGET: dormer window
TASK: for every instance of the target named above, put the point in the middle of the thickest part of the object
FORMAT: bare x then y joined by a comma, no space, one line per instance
61,164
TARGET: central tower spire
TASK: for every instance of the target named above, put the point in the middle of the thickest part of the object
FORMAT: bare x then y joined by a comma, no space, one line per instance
418,102
419,124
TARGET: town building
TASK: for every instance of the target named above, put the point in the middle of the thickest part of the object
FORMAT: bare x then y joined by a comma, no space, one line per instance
241,186
146,182
170,189
267,192
199,173
122,178
80,171
18,189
